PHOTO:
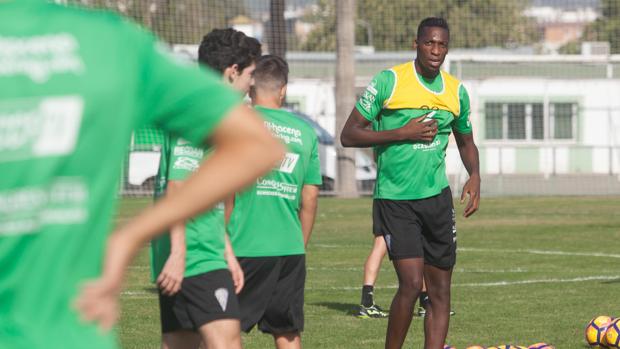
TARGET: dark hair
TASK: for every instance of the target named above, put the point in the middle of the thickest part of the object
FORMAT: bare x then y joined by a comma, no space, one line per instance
222,48
433,22
270,72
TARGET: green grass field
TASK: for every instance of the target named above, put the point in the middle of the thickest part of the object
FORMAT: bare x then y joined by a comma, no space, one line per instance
528,270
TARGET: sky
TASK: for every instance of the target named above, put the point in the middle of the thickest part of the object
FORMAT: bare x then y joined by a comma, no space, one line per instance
566,3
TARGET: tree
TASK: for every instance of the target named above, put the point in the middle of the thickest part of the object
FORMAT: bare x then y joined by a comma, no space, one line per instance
345,94
175,21
323,37
607,26
474,23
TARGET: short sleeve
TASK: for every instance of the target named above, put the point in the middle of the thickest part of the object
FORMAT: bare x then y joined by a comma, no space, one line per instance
177,95
376,94
462,124
185,158
313,173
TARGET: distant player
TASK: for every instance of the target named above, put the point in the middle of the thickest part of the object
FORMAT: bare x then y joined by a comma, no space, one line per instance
197,291
271,221
417,106
368,308
73,86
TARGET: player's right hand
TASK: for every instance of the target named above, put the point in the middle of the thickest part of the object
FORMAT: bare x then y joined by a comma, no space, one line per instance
419,130
236,272
171,276
98,302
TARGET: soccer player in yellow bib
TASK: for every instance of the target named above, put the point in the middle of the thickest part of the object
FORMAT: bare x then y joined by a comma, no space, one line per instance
416,106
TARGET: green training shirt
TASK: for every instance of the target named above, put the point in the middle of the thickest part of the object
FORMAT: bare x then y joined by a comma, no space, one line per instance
413,170
265,218
73,85
204,234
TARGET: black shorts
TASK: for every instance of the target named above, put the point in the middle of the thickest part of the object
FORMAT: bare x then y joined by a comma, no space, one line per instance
376,226
273,294
203,298
419,228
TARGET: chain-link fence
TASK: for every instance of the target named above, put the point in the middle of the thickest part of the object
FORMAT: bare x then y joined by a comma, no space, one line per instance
543,77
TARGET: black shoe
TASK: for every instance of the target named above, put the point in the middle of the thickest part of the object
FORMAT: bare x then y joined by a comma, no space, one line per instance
371,312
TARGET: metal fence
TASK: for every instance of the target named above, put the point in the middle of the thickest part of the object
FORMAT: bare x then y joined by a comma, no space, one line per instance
543,76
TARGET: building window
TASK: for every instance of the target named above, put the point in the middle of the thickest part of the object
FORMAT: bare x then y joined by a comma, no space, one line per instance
516,120
538,121
530,121
494,117
563,120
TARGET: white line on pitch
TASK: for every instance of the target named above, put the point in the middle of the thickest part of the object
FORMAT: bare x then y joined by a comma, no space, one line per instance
137,294
488,284
543,252
456,270
469,249
540,281
385,268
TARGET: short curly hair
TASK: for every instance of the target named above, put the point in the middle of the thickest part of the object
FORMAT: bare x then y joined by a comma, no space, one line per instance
222,48
433,22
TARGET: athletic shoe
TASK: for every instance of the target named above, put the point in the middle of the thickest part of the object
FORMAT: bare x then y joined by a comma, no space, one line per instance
371,312
422,312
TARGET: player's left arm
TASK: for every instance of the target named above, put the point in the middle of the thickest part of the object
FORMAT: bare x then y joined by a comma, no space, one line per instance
310,191
307,212
233,266
469,154
229,206
170,278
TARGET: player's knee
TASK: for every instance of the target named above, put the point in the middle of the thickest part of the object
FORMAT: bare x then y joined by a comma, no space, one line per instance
224,341
221,334
287,337
440,294
411,286
291,340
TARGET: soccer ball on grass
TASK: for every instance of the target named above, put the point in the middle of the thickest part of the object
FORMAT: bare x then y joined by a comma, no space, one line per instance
612,335
595,331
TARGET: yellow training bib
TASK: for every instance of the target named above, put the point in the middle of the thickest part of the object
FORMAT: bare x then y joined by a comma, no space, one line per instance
410,93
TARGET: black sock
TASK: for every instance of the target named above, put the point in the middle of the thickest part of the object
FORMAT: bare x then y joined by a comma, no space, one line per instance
367,295
424,300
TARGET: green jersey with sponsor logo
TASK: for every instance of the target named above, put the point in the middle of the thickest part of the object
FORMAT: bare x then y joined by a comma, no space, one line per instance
204,234
265,219
73,86
413,170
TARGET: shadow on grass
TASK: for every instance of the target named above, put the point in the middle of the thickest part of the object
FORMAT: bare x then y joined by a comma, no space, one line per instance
344,308
614,281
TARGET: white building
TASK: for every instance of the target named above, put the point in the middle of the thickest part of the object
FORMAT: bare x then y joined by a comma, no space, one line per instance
534,117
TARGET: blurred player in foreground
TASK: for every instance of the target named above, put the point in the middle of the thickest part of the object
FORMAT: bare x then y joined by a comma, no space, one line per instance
271,222
74,84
